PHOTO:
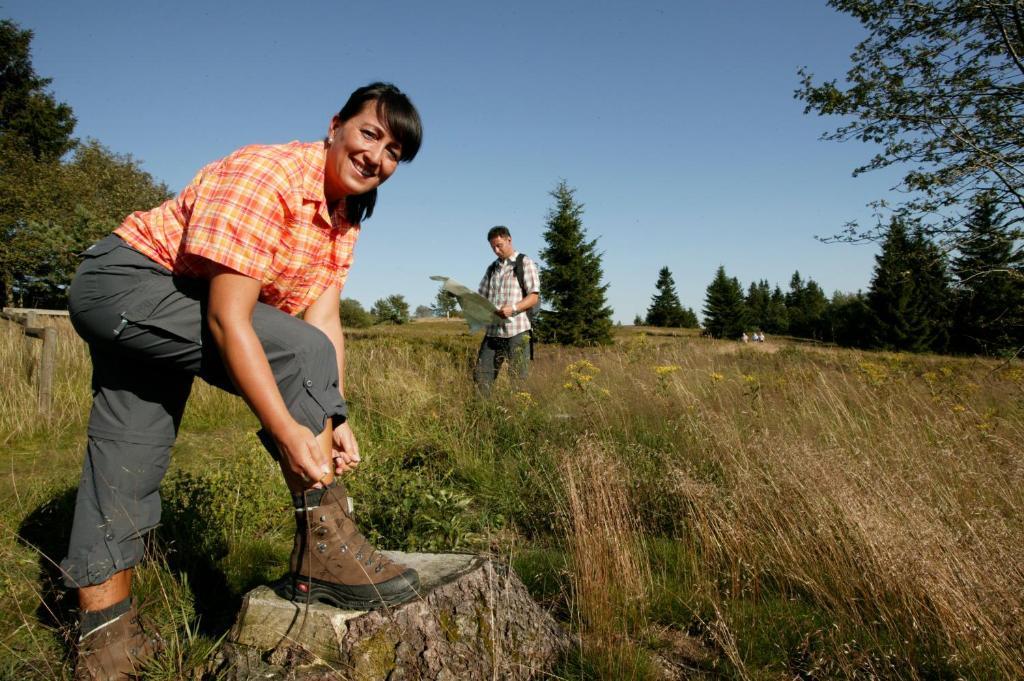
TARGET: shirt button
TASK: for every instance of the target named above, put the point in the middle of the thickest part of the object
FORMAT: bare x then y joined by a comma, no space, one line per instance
309,383
109,536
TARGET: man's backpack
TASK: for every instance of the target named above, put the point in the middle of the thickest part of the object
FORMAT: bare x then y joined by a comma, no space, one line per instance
520,271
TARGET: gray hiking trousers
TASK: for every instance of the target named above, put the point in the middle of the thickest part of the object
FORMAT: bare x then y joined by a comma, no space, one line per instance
148,339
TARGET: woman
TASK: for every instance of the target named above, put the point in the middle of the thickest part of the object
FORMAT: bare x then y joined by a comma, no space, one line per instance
206,285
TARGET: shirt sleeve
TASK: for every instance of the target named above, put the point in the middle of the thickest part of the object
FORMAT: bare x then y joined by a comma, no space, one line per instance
530,276
239,215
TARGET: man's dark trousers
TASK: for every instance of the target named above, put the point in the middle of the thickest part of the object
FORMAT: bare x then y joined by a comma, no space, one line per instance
494,351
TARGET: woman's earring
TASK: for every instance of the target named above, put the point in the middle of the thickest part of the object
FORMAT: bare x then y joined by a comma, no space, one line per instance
330,140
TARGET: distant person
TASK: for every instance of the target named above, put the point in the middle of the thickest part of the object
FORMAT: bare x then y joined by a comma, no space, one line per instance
512,284
208,284
744,337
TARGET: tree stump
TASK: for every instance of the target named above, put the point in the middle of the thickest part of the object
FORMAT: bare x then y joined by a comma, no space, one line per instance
475,620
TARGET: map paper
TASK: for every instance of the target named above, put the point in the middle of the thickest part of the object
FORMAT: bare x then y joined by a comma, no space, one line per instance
478,311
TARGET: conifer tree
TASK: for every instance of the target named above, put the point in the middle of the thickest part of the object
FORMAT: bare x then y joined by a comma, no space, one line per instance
989,308
758,301
848,320
908,294
665,309
778,316
689,320
805,307
576,310
724,313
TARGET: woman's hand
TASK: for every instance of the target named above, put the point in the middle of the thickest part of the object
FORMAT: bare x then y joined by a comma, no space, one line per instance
301,456
344,449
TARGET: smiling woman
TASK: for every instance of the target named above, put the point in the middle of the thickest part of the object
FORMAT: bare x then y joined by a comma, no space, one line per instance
207,284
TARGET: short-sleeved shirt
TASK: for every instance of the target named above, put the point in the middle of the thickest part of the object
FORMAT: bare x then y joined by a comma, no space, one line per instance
501,286
261,212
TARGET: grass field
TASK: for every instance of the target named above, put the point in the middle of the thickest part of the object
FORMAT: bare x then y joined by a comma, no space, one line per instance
733,511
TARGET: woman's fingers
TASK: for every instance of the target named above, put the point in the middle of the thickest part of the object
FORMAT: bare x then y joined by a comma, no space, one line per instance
303,454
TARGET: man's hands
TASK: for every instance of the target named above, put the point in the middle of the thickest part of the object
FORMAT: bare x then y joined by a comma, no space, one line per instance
506,311
344,449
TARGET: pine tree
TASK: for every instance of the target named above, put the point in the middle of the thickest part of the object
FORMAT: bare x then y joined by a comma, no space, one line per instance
989,307
778,316
758,303
724,313
908,293
665,309
805,307
689,320
576,311
848,320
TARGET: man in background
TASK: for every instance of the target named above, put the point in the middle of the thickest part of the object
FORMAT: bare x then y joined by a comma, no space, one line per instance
512,284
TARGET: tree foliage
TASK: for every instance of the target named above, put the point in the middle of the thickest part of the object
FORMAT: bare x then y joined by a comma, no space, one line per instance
989,304
53,206
353,314
939,84
391,310
51,210
724,310
805,307
577,311
909,293
30,117
665,309
445,304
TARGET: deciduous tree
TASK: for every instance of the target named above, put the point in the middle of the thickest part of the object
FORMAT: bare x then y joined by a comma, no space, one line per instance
939,85
30,117
445,304
391,310
51,210
353,314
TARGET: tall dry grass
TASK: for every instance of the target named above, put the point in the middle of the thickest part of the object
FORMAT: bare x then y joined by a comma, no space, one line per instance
801,511
612,581
19,372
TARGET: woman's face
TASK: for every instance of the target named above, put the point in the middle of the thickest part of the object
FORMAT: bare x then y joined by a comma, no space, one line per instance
361,155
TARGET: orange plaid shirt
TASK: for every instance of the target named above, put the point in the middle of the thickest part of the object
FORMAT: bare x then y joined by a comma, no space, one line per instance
261,212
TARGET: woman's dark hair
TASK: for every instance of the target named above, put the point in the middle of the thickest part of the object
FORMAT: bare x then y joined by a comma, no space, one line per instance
403,122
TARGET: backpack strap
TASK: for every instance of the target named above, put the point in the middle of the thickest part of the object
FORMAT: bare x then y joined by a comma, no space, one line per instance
491,269
520,269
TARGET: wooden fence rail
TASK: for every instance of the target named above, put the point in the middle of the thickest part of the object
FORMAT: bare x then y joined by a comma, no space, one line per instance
29,318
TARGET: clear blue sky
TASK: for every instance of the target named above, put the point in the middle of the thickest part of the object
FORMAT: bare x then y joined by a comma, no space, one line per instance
675,122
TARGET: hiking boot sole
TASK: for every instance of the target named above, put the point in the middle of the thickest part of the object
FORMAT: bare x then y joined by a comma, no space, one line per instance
395,591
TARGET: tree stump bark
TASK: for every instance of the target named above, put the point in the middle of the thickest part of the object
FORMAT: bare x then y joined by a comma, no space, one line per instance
474,620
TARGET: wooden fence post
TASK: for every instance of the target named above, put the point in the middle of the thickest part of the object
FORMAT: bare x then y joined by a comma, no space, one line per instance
48,359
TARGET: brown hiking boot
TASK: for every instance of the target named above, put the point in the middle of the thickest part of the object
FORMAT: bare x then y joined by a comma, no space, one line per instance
117,650
332,562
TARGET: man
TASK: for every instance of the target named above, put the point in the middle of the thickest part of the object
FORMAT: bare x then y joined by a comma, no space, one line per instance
513,293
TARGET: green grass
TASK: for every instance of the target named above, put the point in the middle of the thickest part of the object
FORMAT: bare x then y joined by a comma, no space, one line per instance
787,511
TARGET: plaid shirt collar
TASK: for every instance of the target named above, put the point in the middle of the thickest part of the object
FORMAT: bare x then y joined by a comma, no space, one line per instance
511,260
314,158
